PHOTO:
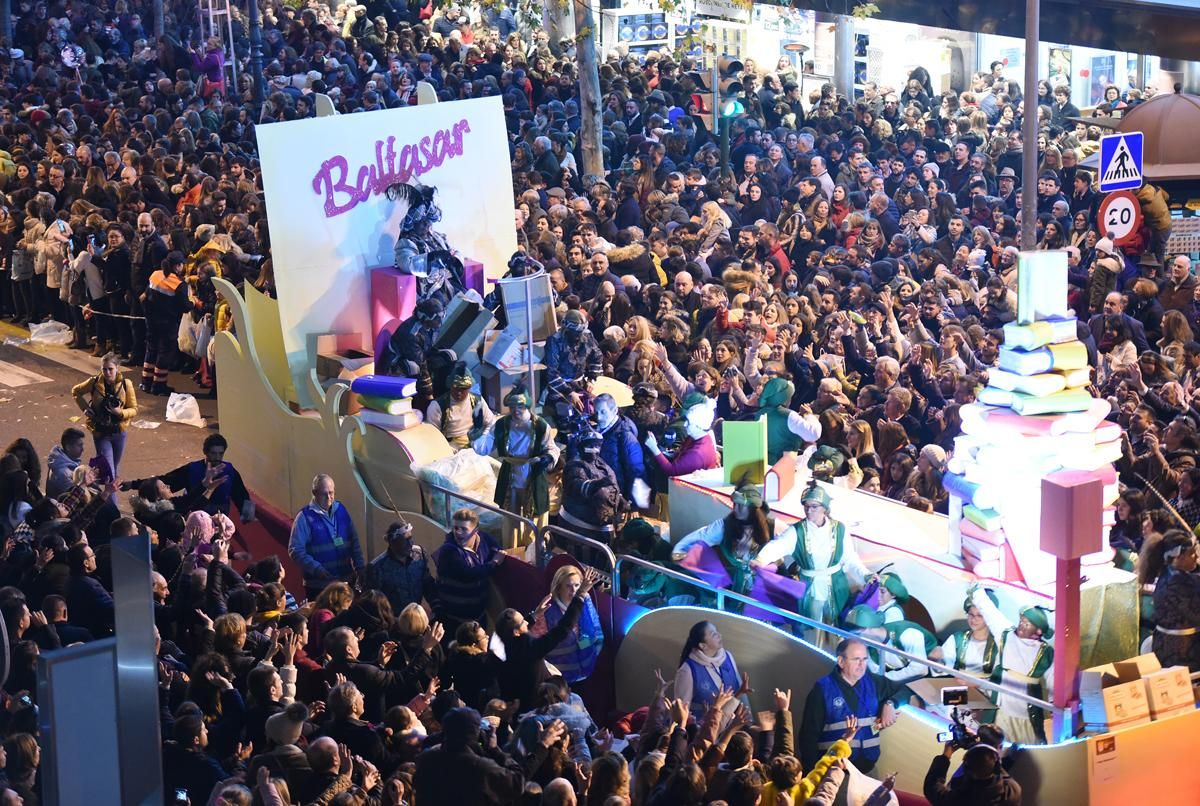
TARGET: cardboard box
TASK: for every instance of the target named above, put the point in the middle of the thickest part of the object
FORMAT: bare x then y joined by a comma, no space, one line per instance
342,352
502,349
930,690
464,324
495,384
1138,666
1169,692
1113,697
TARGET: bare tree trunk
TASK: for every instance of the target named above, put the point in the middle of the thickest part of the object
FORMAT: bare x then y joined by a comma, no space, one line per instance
158,20
589,89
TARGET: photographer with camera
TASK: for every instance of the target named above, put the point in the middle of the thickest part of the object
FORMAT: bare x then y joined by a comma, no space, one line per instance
591,498
981,779
573,361
108,402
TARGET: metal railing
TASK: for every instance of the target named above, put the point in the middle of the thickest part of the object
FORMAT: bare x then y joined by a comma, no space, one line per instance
543,540
722,596
467,501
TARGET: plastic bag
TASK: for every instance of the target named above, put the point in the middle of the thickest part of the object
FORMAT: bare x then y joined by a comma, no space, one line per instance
204,334
195,336
183,408
187,338
51,332
468,473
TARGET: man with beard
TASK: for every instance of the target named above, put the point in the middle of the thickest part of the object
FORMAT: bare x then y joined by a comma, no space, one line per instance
523,444
461,415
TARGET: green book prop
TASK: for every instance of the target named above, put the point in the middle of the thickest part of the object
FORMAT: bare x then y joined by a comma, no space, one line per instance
388,405
744,450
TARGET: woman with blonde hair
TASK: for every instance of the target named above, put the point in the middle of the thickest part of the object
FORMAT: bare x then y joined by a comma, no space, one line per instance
109,403
637,329
418,651
714,225
1051,160
979,124
575,656
860,444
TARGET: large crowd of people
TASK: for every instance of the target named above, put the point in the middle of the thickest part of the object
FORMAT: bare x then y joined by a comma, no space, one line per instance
846,276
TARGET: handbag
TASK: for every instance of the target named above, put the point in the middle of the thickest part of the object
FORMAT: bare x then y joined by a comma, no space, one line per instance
22,265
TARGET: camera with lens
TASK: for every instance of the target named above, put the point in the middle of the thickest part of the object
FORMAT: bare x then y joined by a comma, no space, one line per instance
101,411
572,424
963,733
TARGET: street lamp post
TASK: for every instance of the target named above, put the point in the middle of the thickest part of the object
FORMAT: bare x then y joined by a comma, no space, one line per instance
256,53
1029,128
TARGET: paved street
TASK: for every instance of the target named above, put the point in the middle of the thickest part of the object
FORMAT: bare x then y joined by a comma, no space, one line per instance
35,402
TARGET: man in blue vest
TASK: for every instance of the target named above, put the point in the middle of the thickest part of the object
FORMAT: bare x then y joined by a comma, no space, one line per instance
191,476
324,543
848,690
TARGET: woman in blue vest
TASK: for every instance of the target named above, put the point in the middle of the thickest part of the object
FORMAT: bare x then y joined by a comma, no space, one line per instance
705,668
575,656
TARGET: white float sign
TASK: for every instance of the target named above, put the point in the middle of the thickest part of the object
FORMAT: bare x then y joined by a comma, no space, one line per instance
330,222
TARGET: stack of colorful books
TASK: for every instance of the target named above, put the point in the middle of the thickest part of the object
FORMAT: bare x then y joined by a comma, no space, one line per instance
387,402
1036,416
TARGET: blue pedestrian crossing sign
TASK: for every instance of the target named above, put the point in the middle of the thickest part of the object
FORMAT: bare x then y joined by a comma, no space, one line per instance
1120,162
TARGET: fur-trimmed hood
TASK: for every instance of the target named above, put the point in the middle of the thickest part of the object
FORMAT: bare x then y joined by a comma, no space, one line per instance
738,280
622,254
143,509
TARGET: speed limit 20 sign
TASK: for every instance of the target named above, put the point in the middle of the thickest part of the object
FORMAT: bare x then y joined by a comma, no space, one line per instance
1120,217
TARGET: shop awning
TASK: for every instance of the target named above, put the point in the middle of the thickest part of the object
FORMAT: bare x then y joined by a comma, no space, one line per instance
1165,28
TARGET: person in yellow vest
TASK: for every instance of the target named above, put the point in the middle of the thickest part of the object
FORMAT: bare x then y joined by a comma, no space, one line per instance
784,773
1026,662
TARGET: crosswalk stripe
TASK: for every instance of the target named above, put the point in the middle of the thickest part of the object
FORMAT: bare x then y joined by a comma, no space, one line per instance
75,359
13,376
